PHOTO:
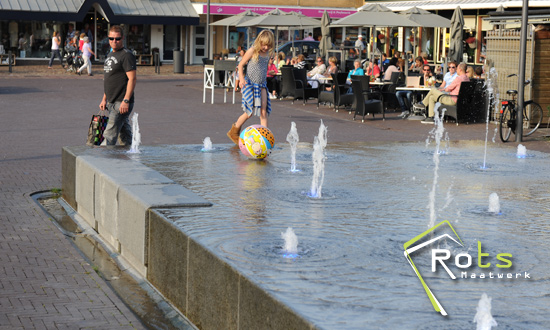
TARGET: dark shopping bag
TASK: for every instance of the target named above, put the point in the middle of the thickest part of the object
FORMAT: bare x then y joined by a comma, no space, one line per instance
96,129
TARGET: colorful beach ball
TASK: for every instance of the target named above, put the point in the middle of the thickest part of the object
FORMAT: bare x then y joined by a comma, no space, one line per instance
256,141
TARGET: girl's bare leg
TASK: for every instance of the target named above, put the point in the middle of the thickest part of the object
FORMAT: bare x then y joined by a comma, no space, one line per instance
263,114
241,120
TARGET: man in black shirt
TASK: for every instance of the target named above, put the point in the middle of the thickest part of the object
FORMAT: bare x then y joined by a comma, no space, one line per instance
119,84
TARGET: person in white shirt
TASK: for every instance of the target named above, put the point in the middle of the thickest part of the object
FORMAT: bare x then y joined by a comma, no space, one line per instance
317,72
359,46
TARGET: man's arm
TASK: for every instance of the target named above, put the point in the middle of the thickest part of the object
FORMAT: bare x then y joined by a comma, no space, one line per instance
131,85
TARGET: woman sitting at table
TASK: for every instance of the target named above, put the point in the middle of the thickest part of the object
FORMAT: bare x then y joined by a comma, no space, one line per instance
391,69
373,71
281,60
417,65
300,61
271,79
332,68
357,71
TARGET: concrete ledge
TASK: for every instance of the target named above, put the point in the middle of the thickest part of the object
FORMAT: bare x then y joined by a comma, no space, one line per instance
68,173
208,290
113,195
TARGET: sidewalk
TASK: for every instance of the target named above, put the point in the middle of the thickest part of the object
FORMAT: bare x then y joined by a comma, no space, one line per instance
45,282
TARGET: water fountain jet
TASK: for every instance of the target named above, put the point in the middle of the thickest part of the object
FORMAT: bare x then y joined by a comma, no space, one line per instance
318,156
207,144
293,138
483,317
136,136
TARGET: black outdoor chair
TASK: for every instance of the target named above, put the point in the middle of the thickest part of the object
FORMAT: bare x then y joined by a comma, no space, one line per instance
309,92
388,91
335,95
290,85
470,104
364,105
367,90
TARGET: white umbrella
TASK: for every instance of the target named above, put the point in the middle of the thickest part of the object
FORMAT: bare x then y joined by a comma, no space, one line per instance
278,18
235,21
424,18
374,15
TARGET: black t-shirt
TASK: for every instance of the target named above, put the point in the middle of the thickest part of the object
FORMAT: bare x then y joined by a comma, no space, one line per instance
115,79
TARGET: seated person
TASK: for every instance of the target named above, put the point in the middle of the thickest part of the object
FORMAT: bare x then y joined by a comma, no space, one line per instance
452,90
391,68
314,80
449,76
373,70
280,60
470,72
417,65
320,68
357,71
405,98
478,73
300,62
271,79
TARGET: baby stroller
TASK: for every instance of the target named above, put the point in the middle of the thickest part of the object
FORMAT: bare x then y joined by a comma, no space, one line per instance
73,58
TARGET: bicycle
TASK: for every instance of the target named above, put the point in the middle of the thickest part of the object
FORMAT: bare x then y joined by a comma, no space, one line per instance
532,115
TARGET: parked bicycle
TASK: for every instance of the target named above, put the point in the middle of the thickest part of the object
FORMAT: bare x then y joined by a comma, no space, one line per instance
532,115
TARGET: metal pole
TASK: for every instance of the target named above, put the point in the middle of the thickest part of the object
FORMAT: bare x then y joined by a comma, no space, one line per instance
521,70
156,58
208,29
9,60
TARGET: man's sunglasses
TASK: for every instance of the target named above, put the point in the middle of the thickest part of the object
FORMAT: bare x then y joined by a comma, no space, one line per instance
117,38
451,67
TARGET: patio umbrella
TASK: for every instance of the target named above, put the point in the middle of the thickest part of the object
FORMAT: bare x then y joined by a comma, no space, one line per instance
235,21
278,18
424,18
326,41
374,15
456,47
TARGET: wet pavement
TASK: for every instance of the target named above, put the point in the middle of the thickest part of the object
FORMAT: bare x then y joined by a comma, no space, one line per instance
45,281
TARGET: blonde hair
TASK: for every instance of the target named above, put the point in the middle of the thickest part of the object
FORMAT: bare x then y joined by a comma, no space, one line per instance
264,38
333,59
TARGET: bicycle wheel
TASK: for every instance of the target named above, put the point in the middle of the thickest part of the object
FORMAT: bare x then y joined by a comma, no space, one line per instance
532,118
505,126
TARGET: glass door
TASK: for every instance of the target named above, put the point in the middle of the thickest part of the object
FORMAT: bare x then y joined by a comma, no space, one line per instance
199,41
171,41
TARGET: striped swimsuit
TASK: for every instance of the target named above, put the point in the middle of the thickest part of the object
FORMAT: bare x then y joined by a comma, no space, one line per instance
256,73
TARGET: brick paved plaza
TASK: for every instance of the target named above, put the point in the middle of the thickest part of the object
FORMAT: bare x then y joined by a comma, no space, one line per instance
45,281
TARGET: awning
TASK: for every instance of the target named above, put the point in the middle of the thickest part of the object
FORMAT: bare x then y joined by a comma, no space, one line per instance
464,4
179,12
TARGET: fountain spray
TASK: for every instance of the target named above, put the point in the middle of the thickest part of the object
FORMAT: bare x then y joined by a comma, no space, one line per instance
136,136
483,317
318,156
492,88
291,242
207,144
437,133
293,138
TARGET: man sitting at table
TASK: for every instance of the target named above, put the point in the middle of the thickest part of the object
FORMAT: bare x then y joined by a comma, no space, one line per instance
450,92
449,76
405,97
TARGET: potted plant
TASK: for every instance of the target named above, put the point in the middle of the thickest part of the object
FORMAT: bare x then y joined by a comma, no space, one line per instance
472,42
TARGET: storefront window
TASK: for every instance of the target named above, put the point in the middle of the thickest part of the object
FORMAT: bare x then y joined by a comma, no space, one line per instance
139,39
28,38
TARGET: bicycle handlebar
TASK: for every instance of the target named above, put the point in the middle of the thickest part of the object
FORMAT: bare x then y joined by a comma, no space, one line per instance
527,82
